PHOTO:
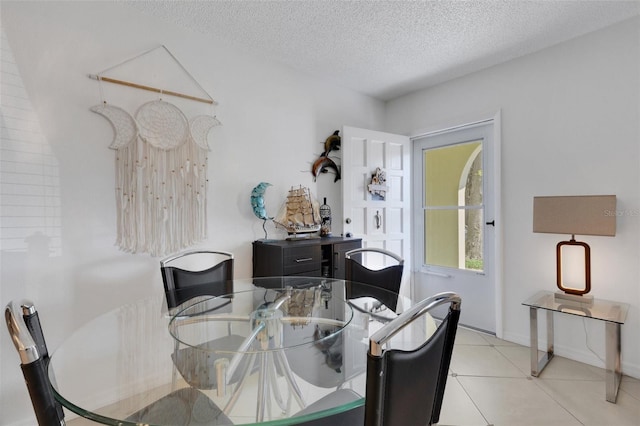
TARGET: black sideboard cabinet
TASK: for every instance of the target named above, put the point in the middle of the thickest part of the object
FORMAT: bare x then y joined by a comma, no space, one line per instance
314,257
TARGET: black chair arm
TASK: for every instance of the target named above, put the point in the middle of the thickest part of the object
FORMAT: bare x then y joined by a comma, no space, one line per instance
380,337
170,259
26,334
20,335
350,253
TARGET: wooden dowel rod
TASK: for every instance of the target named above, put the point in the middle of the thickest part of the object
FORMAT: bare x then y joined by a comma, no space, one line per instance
152,89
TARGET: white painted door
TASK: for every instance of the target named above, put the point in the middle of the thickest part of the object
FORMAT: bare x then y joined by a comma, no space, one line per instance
455,220
383,218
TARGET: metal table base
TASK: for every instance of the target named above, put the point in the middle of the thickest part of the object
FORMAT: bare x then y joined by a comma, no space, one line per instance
612,340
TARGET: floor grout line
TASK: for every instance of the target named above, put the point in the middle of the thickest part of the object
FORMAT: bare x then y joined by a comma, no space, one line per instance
514,359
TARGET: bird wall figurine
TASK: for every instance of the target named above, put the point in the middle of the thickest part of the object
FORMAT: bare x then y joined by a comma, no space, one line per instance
332,143
323,164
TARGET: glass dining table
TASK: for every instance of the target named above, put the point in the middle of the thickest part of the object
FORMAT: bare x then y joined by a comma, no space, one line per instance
264,354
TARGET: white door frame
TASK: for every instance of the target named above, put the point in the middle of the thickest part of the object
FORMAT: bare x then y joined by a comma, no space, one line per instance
495,118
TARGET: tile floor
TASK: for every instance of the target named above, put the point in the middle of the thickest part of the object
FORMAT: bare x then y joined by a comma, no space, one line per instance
490,384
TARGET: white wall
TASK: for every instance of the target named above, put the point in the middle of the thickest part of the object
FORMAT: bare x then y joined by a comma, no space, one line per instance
275,120
570,125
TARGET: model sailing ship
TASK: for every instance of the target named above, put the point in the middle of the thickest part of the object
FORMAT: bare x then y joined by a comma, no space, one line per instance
300,214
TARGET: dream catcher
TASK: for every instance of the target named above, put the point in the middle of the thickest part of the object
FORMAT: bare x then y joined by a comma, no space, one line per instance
161,173
125,131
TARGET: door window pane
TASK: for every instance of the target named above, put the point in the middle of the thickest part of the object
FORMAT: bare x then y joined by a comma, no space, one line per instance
453,206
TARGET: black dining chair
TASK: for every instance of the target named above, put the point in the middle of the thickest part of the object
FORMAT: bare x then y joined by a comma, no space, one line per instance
388,278
389,401
196,273
186,406
201,273
404,387
26,334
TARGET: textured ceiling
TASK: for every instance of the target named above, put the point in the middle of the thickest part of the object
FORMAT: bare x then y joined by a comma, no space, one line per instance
389,48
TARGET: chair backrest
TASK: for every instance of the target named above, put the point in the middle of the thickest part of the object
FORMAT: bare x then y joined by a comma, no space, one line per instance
26,334
182,284
388,278
407,387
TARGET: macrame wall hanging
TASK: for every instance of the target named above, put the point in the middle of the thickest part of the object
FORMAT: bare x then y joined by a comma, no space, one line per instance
161,170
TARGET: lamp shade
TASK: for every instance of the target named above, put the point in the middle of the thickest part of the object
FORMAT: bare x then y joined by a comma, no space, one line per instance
575,215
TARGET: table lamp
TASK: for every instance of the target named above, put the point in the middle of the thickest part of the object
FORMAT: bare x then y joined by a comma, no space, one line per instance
579,214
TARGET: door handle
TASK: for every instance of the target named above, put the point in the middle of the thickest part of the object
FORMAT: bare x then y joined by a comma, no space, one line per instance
492,223
378,219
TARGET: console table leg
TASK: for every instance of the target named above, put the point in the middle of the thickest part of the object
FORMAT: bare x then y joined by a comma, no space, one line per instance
537,365
550,336
614,371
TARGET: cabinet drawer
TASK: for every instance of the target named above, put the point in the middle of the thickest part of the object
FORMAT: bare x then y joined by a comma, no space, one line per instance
302,259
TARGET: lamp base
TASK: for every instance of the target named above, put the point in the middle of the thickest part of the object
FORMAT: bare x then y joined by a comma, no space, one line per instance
561,296
567,245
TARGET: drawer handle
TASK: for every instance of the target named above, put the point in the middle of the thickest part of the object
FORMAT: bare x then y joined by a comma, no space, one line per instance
305,259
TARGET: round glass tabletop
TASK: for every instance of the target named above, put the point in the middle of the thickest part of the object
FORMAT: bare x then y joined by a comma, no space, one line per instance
267,319
265,353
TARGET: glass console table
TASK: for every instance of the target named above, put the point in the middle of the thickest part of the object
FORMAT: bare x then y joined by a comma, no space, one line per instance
612,313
